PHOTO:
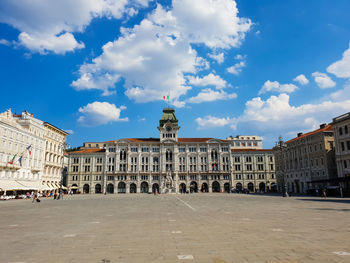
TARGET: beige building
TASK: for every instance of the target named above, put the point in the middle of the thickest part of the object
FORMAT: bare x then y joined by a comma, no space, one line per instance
341,129
23,141
253,169
21,152
167,164
55,140
306,161
245,142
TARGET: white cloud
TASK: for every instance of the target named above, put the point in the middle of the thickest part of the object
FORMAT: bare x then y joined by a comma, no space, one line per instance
70,132
208,95
218,57
214,122
214,23
341,68
240,57
301,79
98,113
237,68
277,114
48,25
323,80
275,86
343,94
4,42
154,56
208,80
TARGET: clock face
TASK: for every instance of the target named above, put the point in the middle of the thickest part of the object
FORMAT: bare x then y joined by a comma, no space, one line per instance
168,128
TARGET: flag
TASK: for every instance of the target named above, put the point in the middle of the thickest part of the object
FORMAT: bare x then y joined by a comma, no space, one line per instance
20,161
166,97
29,149
13,158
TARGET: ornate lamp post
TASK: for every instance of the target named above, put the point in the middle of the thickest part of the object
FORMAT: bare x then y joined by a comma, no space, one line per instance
281,146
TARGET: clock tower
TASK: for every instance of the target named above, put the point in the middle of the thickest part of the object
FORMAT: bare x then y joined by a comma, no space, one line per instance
168,125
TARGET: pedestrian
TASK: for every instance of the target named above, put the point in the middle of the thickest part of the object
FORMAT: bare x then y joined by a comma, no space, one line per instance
324,193
34,198
54,195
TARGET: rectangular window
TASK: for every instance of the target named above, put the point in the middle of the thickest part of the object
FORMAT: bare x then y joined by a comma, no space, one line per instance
342,146
345,164
192,149
203,149
348,145
144,149
134,149
111,149
249,167
237,167
182,149
340,131
224,149
237,159
155,150
346,129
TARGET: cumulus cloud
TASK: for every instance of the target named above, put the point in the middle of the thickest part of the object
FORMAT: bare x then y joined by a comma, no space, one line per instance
208,95
98,113
301,79
240,57
236,68
341,68
208,80
215,122
161,43
218,57
276,115
70,132
323,80
275,86
48,26
342,94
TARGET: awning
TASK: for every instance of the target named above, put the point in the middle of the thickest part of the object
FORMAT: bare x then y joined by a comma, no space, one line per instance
11,185
46,187
74,187
30,185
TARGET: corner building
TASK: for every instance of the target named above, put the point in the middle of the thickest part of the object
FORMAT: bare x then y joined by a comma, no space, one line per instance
167,164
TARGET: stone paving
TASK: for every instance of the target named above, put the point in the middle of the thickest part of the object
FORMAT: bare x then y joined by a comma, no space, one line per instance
214,228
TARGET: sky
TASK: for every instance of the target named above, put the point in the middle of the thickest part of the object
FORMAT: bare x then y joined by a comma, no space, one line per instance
99,68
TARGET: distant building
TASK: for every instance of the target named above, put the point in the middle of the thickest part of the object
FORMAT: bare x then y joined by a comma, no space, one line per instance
341,129
245,142
254,169
306,161
167,164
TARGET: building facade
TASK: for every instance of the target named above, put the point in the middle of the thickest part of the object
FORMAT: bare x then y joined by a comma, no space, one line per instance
23,141
55,140
253,169
245,142
167,164
306,161
341,129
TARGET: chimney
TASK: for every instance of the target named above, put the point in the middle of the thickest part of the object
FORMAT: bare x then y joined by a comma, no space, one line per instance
323,125
299,134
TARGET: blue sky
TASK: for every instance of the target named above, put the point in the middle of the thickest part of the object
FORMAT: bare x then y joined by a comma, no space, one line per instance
100,68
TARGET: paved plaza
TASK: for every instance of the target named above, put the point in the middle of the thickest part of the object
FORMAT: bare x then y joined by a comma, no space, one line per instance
214,228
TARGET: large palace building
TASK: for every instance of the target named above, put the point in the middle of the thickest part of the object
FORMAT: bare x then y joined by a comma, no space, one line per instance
168,164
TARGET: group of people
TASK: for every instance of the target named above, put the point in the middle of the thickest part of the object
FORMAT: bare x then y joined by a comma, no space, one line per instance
35,195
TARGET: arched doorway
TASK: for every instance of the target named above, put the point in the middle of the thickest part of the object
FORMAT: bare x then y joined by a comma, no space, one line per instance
182,188
121,188
98,189
251,187
262,187
274,187
193,187
239,186
144,187
74,188
216,187
227,187
155,188
133,188
204,188
110,188
86,189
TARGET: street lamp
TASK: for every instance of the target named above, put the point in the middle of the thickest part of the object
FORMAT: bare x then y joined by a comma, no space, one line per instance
281,145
